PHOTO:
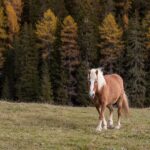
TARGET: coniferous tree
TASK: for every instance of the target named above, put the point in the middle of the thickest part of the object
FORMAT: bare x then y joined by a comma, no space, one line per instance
3,36
82,85
146,26
108,6
53,74
142,6
18,6
135,63
46,30
123,7
31,11
86,13
62,90
88,31
13,11
56,71
46,88
26,66
58,6
6,90
70,55
111,45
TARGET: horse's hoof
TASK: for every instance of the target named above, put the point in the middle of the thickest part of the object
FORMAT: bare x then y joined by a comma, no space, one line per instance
110,127
117,127
110,124
105,127
98,129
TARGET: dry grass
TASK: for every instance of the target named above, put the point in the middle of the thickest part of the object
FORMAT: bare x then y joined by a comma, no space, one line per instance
44,127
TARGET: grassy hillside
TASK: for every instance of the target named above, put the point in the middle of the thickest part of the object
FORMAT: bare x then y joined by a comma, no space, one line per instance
45,127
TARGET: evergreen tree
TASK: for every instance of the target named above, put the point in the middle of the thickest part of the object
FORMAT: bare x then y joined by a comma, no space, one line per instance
82,88
58,7
32,10
111,45
46,88
86,13
70,54
146,26
108,6
135,63
142,6
62,90
6,90
13,10
123,7
56,71
26,66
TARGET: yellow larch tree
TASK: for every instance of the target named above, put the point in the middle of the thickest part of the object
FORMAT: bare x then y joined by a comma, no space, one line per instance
18,6
46,27
45,31
13,11
3,36
111,45
70,56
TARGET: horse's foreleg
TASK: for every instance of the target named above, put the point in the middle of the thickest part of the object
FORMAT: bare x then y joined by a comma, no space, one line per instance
102,120
110,121
97,108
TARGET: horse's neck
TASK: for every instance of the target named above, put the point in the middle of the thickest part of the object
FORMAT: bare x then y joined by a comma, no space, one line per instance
101,82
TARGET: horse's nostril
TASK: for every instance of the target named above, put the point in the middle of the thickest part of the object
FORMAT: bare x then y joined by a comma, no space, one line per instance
92,94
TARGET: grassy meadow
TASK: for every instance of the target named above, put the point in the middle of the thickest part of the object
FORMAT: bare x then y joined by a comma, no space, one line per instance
47,127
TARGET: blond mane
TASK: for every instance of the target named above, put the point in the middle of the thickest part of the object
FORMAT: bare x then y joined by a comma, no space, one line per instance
101,79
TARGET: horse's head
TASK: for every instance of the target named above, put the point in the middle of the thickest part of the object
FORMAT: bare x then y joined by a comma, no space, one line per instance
93,82
96,81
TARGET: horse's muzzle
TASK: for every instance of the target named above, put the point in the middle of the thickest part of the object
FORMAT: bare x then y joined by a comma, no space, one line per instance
92,94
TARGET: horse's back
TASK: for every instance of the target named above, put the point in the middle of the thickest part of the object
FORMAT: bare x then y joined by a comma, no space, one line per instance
114,86
114,78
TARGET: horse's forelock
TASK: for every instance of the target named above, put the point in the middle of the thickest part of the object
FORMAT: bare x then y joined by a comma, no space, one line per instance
93,74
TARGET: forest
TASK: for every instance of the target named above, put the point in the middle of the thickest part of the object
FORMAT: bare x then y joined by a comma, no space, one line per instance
48,46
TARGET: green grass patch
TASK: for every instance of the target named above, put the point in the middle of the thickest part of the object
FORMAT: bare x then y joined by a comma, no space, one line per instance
44,127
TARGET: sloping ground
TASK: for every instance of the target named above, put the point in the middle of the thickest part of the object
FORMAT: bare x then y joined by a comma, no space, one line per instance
45,127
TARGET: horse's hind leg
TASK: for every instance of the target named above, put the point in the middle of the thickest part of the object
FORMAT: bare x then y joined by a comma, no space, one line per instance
119,113
110,121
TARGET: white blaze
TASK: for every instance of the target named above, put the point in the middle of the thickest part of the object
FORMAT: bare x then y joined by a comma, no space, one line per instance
92,87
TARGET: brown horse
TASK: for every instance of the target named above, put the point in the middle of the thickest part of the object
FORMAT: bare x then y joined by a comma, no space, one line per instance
106,91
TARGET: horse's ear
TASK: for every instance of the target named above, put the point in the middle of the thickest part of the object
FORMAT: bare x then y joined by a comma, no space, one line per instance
96,72
101,68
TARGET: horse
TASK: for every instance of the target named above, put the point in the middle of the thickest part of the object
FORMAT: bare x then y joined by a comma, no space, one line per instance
106,90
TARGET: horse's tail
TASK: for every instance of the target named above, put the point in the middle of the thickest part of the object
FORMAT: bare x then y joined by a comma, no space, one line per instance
125,104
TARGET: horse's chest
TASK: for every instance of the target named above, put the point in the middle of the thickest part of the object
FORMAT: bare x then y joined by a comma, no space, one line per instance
98,98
